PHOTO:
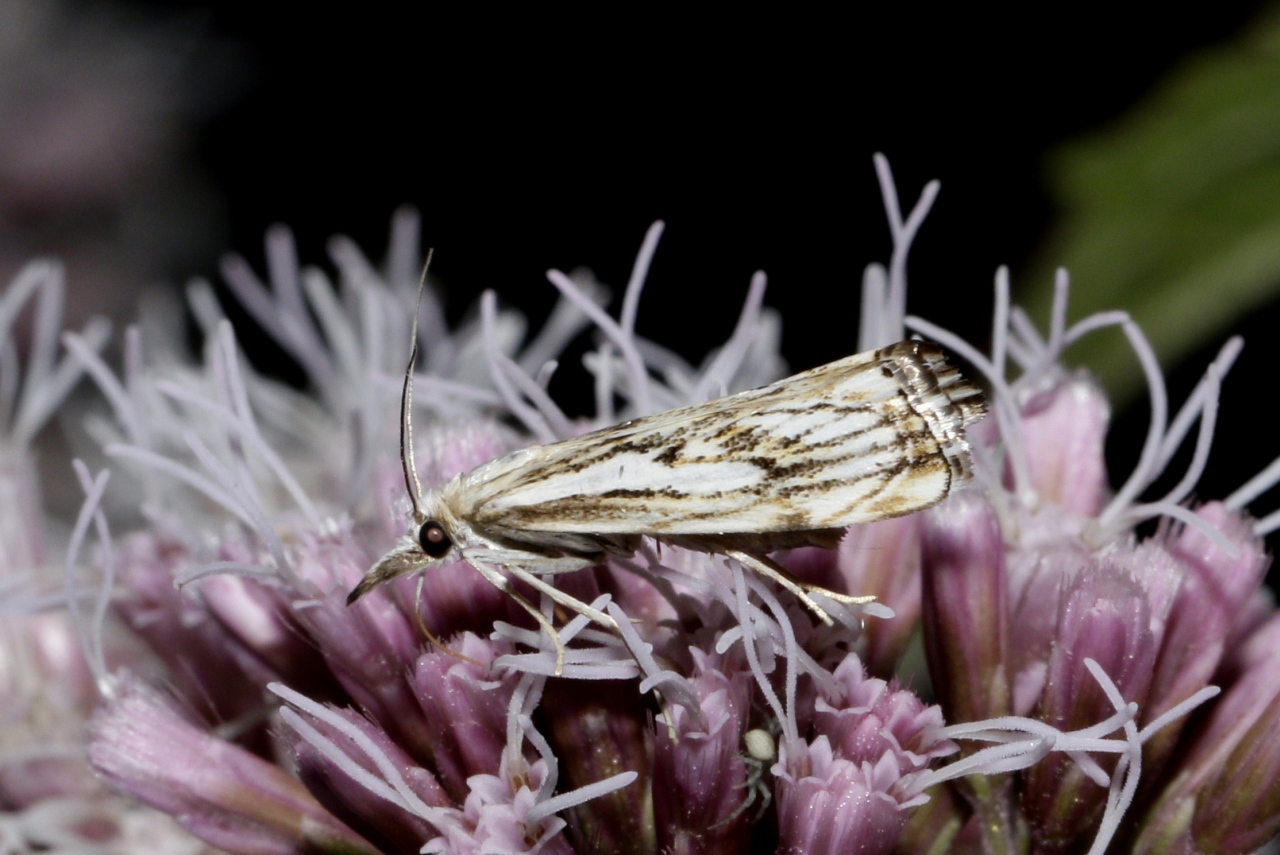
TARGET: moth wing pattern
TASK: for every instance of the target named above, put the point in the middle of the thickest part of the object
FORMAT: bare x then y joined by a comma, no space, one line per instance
871,436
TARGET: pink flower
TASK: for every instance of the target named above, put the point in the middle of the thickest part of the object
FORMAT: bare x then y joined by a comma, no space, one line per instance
218,791
637,710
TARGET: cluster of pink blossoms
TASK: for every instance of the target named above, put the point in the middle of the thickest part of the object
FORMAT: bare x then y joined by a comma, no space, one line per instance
196,676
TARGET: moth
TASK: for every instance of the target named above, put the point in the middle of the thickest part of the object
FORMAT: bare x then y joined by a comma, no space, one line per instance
869,437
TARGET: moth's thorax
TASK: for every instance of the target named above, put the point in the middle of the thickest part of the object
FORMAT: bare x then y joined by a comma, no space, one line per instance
448,506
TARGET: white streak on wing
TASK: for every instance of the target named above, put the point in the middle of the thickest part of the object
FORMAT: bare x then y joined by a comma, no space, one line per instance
819,426
635,473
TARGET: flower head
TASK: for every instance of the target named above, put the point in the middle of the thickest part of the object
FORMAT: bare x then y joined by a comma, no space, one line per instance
667,700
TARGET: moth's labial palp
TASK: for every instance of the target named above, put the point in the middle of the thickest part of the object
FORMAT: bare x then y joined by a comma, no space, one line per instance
433,539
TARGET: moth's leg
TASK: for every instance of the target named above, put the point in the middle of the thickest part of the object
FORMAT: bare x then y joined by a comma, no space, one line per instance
521,565
567,600
769,568
503,584
547,566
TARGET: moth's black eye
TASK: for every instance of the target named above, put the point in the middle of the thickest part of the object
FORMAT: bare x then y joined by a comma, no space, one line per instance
433,539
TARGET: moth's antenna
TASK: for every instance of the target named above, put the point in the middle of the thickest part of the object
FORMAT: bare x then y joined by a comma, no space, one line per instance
411,482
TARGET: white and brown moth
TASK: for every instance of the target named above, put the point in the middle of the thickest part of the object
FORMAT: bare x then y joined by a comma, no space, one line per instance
869,437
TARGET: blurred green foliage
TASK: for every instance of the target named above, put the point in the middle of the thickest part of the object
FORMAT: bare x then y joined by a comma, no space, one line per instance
1172,212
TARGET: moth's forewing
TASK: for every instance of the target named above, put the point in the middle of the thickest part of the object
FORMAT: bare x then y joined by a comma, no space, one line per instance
872,436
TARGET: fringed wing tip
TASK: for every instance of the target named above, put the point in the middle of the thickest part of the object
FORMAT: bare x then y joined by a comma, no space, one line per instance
947,400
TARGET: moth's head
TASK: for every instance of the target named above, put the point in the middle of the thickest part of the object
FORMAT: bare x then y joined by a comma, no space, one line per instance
431,542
